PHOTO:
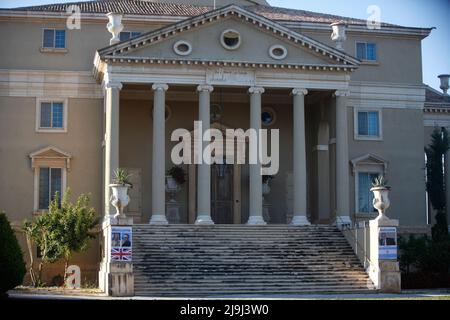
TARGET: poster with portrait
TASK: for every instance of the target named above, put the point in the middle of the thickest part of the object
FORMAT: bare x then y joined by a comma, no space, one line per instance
388,243
121,243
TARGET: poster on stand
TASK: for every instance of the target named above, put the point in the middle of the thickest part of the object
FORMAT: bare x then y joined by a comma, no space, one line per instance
121,243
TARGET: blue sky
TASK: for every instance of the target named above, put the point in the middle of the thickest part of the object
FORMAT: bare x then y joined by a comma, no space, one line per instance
414,13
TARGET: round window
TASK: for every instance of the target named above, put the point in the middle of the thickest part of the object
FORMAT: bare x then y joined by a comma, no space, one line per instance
230,39
278,52
182,48
268,116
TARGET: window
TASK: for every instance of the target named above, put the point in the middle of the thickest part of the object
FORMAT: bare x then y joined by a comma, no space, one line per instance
365,196
54,38
182,48
50,183
368,125
268,116
230,39
366,51
127,35
278,52
51,116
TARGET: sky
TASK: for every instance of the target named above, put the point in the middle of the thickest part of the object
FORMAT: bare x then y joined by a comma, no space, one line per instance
412,13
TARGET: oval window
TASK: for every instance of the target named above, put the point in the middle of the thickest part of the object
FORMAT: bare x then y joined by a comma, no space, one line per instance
182,48
268,116
230,39
278,52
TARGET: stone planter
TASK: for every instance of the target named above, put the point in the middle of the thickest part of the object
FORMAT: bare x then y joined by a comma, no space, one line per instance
114,26
381,200
172,187
119,198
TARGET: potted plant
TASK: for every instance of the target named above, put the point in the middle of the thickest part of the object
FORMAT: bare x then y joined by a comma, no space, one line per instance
380,191
174,179
119,197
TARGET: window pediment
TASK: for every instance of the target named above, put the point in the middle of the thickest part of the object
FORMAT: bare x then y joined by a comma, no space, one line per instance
369,160
50,157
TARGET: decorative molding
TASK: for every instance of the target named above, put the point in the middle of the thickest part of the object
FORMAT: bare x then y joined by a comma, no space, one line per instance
341,93
205,88
50,155
299,91
369,159
180,52
49,83
320,147
275,47
256,90
160,87
113,85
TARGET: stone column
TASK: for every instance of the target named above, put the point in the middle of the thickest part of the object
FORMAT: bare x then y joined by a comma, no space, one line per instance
255,203
342,174
112,100
159,155
204,169
299,162
447,185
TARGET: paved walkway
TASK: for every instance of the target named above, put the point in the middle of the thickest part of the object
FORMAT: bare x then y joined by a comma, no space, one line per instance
73,295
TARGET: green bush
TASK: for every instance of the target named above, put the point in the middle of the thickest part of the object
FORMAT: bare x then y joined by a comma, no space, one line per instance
12,265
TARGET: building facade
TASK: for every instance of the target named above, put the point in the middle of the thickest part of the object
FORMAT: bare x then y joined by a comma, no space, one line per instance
76,103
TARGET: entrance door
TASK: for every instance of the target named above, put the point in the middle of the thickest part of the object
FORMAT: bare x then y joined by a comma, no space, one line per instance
222,193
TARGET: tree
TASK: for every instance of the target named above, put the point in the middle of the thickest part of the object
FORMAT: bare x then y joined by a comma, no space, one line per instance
440,244
60,232
12,266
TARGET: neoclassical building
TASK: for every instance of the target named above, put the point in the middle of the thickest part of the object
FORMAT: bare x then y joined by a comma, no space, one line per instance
79,99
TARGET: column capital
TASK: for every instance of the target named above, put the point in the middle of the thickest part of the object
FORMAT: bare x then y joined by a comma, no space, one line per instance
299,91
341,93
113,85
160,87
256,90
205,87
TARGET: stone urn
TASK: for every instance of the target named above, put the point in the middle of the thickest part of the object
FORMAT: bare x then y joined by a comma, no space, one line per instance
172,187
114,26
119,198
381,200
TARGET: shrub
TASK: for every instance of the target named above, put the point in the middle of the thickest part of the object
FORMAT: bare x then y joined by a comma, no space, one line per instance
12,266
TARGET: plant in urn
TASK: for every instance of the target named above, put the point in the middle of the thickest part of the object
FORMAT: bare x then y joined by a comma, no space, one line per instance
119,197
380,191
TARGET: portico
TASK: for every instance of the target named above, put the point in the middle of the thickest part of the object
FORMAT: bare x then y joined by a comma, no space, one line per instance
313,71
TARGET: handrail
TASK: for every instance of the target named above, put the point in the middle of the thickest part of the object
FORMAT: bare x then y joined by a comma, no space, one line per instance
347,226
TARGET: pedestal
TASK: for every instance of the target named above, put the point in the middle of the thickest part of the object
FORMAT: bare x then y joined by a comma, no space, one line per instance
173,212
390,276
116,268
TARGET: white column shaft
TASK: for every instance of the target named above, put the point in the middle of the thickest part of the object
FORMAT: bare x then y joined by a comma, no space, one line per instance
299,161
112,99
342,174
158,156
255,189
204,169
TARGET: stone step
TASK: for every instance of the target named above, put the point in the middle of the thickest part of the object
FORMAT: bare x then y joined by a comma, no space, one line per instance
220,260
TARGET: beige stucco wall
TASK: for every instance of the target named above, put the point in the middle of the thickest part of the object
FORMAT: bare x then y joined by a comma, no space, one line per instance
19,139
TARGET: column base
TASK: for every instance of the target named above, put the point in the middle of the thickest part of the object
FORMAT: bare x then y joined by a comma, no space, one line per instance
204,220
300,221
158,219
343,220
256,220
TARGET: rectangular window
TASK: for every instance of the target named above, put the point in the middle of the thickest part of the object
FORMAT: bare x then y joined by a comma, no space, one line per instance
365,196
368,123
51,115
50,182
126,35
54,38
366,51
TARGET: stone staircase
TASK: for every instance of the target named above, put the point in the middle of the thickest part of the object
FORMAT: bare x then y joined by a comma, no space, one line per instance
228,260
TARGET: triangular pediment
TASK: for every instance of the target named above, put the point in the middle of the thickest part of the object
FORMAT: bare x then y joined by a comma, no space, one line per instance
258,35
50,152
369,159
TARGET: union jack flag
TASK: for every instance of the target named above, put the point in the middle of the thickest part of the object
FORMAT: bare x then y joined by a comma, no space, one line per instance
120,254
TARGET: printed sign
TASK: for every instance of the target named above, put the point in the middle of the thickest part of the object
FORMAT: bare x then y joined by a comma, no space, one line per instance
388,243
121,243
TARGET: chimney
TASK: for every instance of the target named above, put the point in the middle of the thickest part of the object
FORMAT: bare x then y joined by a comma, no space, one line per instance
444,82
114,26
338,35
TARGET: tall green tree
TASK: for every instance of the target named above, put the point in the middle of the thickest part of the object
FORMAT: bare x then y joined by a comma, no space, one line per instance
438,254
12,266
